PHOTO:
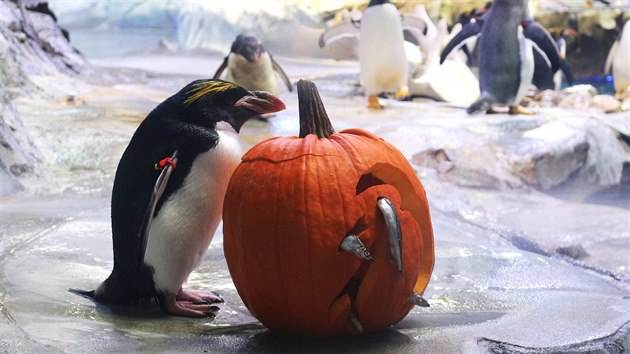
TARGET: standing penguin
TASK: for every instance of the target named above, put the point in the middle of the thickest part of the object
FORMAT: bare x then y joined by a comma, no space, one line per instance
381,49
382,55
548,59
168,193
251,66
618,60
506,61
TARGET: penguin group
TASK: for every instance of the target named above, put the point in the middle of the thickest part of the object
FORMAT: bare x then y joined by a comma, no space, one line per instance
514,51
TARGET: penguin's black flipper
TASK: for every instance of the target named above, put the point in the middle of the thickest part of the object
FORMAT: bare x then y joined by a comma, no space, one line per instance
217,74
348,29
414,25
535,32
469,32
281,72
158,190
85,293
567,71
543,76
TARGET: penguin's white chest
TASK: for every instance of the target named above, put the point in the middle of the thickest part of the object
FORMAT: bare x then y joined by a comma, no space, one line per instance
181,232
252,76
621,61
382,55
526,58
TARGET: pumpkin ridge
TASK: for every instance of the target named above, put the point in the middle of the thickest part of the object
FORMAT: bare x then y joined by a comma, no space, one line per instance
308,235
282,277
262,158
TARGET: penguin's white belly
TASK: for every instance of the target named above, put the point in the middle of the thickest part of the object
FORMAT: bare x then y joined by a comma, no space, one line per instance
621,61
526,57
181,232
384,66
252,76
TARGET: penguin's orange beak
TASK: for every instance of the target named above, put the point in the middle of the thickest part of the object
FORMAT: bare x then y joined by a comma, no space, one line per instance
261,102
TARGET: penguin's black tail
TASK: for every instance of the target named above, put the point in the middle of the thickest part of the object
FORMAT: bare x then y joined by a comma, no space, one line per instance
481,105
115,290
84,293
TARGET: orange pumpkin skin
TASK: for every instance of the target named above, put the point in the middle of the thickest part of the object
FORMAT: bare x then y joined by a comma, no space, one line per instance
288,206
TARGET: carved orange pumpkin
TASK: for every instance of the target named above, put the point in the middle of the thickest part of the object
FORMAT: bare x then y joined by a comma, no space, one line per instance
306,242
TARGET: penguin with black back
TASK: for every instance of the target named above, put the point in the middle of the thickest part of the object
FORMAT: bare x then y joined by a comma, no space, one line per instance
513,52
251,66
506,63
167,198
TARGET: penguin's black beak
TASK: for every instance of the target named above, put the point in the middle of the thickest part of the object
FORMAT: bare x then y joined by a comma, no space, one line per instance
261,102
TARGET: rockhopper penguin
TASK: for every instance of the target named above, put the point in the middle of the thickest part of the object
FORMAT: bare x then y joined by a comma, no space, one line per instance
168,193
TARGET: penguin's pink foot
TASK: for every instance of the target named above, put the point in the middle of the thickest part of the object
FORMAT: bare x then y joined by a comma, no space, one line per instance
373,102
186,308
198,297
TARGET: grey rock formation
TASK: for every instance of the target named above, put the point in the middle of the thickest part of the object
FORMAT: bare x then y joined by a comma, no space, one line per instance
31,43
18,155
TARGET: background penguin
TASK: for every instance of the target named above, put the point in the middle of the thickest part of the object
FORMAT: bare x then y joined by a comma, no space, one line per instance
549,60
618,61
506,60
251,66
382,56
506,63
161,230
381,48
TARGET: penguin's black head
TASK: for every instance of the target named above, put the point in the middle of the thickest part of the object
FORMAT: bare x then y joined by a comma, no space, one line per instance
248,46
377,2
207,102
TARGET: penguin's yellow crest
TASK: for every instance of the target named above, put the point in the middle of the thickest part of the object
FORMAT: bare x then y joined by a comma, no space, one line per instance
203,88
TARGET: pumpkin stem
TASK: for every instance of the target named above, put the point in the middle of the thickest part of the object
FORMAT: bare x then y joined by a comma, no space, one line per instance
313,117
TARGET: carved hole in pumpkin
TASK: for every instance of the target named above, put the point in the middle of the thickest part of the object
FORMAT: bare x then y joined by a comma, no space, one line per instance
379,174
352,286
413,203
366,181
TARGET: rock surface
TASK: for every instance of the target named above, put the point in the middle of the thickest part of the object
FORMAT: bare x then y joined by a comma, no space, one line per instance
31,43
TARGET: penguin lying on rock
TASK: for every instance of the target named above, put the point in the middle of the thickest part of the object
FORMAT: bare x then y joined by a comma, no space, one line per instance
513,52
168,192
382,57
251,66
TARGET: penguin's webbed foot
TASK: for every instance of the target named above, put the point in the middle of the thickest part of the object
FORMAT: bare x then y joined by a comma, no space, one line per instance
198,297
402,94
171,305
373,102
518,109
